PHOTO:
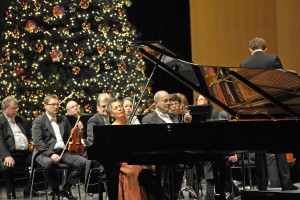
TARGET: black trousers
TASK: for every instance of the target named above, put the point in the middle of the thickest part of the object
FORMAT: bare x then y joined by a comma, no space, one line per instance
261,171
22,159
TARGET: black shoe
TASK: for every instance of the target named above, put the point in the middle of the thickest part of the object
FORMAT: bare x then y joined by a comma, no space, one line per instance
292,187
66,192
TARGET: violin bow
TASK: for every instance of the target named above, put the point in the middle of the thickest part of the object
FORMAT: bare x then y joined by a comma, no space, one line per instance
69,138
66,98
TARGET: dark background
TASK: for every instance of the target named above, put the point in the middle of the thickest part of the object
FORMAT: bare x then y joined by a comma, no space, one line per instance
156,20
168,21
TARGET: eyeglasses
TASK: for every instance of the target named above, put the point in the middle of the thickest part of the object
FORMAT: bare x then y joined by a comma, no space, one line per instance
14,108
103,106
175,104
52,104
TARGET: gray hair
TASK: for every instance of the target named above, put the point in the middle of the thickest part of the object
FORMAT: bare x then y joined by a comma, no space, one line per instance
103,97
7,100
110,102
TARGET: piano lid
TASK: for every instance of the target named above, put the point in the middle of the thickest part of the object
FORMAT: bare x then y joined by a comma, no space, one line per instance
244,93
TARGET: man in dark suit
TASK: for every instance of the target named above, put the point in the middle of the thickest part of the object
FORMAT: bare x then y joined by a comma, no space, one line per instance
161,115
14,143
102,117
261,60
50,133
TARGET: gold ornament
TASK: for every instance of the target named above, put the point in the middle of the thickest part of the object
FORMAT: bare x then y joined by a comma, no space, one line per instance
38,47
128,48
101,49
84,4
121,66
16,31
65,31
24,5
40,75
46,18
20,55
79,53
86,26
107,67
1,70
142,68
149,89
95,67
103,28
97,18
37,6
9,13
6,55
76,70
121,12
128,3
72,8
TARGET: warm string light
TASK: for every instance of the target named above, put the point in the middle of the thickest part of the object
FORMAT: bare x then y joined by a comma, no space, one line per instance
30,70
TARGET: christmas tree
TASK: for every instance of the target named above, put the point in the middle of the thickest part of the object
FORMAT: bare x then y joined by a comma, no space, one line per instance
79,47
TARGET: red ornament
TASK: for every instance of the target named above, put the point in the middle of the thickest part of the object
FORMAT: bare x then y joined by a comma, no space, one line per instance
30,26
58,11
56,55
19,70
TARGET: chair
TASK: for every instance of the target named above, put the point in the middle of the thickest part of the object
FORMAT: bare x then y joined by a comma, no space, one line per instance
61,166
245,168
101,179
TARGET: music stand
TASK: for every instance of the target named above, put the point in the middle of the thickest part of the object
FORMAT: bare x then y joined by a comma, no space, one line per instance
200,113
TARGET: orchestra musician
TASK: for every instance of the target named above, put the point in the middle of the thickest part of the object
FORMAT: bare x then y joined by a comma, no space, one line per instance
128,106
14,141
50,133
231,190
260,60
179,106
161,115
102,117
73,109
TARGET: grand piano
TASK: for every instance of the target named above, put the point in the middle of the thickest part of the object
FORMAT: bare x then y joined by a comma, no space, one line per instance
264,106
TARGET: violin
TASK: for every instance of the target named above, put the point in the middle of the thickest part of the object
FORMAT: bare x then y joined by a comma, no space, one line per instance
290,157
30,145
75,144
76,135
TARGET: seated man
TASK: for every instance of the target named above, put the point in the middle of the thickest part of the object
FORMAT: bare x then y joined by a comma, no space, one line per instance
50,133
14,144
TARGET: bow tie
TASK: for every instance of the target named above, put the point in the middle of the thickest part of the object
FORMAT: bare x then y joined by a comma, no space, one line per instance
54,119
164,115
11,121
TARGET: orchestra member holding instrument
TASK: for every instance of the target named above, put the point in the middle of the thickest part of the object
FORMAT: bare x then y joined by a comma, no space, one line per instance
50,133
259,59
14,143
77,144
128,107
